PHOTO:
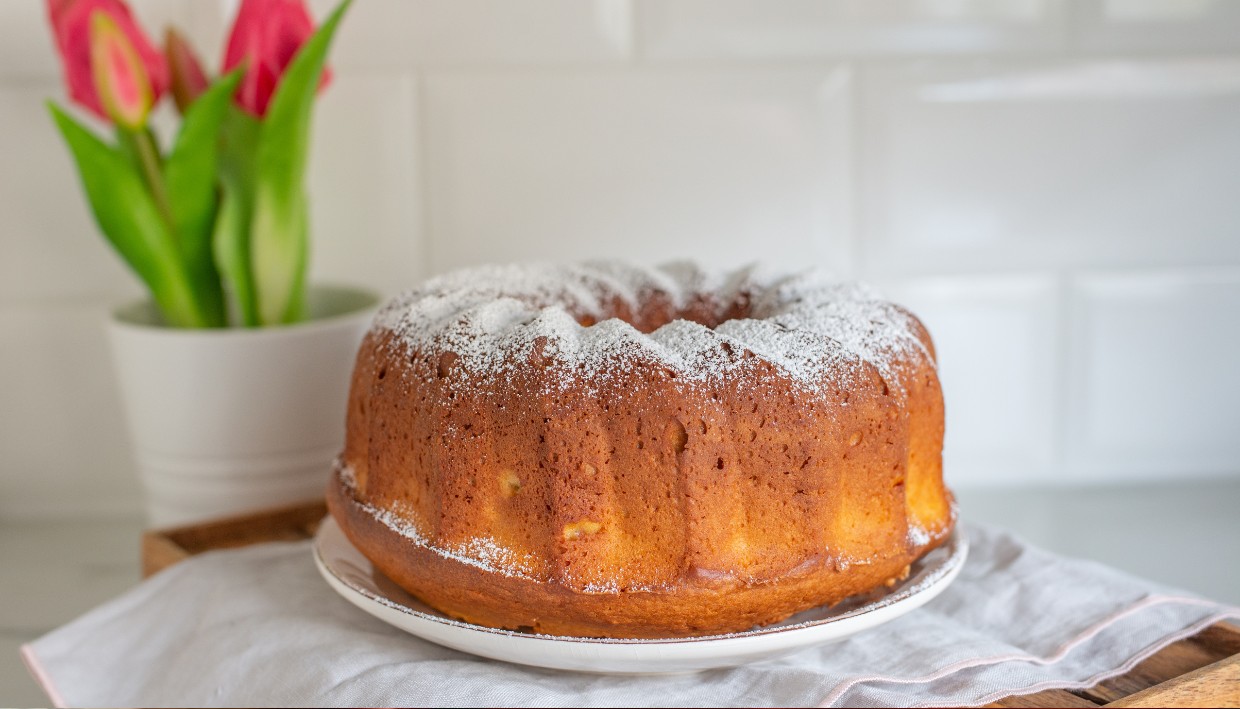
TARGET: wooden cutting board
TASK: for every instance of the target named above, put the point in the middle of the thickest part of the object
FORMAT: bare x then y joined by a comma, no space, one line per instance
1201,671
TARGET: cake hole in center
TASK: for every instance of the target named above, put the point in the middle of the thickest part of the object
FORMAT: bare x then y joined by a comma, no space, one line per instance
654,313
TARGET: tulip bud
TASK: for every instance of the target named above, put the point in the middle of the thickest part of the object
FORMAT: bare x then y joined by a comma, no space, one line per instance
71,28
57,9
265,36
119,75
188,78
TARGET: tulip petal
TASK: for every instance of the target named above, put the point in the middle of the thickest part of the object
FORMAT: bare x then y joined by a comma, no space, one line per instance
121,80
188,79
71,27
266,35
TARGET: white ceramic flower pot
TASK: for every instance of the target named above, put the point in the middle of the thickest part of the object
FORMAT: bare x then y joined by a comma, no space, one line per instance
229,421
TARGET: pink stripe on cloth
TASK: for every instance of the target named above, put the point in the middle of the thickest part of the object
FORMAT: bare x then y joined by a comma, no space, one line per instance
40,676
1056,656
1131,663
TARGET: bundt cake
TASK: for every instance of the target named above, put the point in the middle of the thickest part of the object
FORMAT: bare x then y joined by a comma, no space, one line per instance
609,450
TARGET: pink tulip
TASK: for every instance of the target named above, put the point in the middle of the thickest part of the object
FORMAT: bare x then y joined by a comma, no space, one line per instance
120,79
266,36
188,78
145,73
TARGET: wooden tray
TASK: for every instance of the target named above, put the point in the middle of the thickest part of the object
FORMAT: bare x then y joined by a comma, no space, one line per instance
1203,670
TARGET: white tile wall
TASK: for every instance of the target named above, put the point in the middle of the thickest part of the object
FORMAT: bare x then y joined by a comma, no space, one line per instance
1050,184
653,166
481,33
702,29
996,344
49,247
366,206
1158,25
61,432
1154,375
25,41
995,165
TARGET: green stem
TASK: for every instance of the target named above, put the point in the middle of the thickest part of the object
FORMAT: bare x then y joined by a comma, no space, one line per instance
179,305
178,298
141,144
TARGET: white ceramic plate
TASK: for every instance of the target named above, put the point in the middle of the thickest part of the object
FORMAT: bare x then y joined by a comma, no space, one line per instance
353,576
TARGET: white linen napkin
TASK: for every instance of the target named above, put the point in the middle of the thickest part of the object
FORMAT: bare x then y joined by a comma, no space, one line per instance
259,627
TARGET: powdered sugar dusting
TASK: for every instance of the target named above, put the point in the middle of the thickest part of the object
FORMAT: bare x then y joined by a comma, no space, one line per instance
480,552
917,535
347,475
816,330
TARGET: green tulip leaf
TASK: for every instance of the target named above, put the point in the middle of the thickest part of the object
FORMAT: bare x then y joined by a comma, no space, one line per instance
190,175
238,146
131,221
279,239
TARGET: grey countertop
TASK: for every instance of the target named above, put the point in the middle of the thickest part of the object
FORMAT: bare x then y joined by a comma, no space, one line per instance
1183,534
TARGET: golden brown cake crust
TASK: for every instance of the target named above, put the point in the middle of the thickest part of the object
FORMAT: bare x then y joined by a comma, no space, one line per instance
623,452
482,597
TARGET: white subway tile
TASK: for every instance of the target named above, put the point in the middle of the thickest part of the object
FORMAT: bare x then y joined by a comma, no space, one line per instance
1154,376
722,167
1157,25
61,424
695,29
398,34
366,211
51,245
201,21
1002,165
26,44
996,340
